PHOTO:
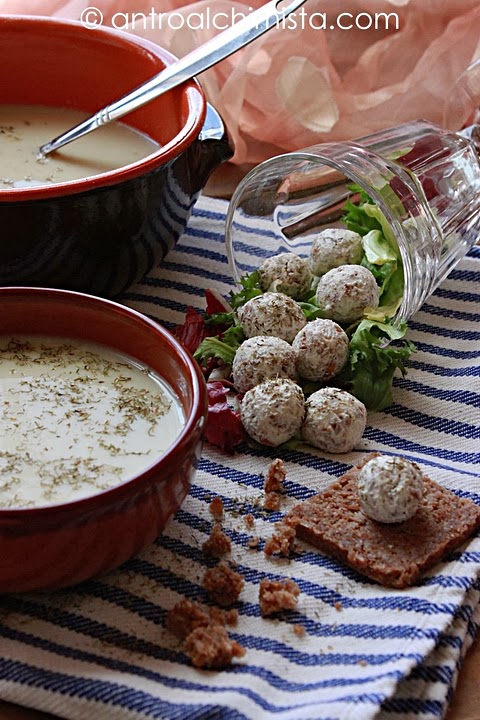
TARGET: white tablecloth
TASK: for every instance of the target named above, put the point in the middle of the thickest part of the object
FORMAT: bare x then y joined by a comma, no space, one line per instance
101,650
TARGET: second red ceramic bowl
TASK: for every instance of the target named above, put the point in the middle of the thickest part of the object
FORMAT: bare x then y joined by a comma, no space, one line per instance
59,545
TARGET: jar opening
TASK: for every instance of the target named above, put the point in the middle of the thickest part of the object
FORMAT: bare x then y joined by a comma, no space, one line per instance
288,200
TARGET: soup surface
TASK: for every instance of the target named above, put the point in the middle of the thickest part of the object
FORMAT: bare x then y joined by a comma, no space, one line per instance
24,128
77,418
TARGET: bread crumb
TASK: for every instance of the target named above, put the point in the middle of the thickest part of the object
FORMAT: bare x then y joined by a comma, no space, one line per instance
249,521
184,617
363,663
206,639
338,606
217,544
272,501
254,543
216,507
282,541
275,476
299,630
212,647
187,615
224,617
277,595
273,484
223,584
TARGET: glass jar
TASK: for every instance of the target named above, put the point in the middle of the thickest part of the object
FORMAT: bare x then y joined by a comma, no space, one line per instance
426,180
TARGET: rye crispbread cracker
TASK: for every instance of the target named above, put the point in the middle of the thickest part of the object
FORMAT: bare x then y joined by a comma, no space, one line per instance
394,555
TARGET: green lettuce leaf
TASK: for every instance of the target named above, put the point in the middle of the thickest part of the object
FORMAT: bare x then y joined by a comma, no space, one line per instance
381,252
250,288
225,318
354,216
374,212
311,310
373,360
378,250
392,292
223,348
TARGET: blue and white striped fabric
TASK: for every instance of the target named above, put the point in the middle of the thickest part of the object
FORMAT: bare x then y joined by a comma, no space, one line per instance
101,650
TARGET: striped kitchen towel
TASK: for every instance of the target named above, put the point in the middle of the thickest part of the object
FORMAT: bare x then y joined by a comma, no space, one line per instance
352,649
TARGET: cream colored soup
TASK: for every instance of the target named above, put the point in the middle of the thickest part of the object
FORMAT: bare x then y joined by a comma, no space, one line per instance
77,418
24,128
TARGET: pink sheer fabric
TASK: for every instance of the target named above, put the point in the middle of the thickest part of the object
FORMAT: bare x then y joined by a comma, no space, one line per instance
297,87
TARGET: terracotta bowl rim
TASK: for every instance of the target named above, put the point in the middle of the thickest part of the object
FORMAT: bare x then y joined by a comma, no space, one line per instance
194,94
128,488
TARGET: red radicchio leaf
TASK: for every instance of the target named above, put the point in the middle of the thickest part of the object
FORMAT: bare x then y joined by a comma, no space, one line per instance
217,391
193,330
224,427
215,303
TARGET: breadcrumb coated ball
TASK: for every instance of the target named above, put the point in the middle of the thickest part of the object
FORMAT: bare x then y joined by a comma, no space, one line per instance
285,273
271,314
345,292
333,247
273,411
335,420
390,489
263,358
321,350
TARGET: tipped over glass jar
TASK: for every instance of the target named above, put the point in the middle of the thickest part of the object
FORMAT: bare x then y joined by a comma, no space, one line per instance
425,180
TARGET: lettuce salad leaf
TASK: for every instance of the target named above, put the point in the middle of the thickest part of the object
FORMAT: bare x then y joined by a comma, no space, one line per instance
225,345
377,346
373,360
382,255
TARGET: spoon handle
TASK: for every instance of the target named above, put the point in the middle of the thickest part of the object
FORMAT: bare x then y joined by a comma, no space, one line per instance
203,57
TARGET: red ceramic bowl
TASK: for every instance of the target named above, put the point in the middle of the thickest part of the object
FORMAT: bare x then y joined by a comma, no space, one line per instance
102,234
59,545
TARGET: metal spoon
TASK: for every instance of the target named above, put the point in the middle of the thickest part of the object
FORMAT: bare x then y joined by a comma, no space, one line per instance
200,59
